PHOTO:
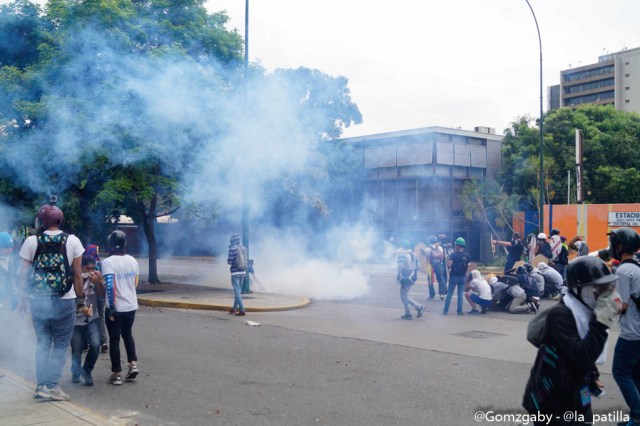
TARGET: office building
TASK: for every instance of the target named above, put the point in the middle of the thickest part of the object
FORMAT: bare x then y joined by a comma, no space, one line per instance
613,80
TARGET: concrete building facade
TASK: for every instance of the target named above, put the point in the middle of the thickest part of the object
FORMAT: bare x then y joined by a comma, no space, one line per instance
414,179
613,80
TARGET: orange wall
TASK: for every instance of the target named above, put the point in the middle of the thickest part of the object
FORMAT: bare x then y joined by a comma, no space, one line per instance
587,220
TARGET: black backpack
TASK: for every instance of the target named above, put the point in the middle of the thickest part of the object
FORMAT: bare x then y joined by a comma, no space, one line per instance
51,274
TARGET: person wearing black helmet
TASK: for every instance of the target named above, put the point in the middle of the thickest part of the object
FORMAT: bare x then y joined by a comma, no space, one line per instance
120,272
51,280
623,243
458,263
575,335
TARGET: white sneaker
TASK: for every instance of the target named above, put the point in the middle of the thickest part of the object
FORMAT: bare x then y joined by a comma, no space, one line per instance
54,394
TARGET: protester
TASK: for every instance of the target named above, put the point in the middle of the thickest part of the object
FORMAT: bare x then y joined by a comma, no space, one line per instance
406,277
92,251
581,248
537,277
87,326
50,277
623,243
556,245
478,291
514,251
553,282
561,260
575,334
436,258
120,272
237,259
542,246
458,263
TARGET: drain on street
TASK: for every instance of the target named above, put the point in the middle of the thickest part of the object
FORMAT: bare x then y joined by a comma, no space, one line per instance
475,334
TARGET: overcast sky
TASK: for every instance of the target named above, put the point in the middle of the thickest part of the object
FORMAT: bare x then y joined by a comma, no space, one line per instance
453,63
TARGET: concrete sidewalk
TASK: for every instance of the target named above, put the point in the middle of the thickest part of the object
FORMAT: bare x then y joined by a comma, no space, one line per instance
211,298
20,408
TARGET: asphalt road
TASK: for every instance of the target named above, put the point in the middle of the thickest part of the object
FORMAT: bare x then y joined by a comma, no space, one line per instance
303,367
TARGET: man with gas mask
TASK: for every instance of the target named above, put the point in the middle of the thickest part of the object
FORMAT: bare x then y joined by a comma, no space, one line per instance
623,244
575,335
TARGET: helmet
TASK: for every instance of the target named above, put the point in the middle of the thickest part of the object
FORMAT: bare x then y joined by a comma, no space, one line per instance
627,237
460,242
555,231
5,241
49,217
588,270
542,236
432,239
117,240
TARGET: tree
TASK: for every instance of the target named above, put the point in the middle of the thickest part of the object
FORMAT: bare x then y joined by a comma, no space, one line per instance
611,146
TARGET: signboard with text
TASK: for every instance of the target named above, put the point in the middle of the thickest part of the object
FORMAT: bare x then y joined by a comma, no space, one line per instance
624,218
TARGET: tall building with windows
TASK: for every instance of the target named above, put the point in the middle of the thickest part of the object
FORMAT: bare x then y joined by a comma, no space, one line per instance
413,180
613,80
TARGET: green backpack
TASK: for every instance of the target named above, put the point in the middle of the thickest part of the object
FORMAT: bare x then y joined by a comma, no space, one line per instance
51,274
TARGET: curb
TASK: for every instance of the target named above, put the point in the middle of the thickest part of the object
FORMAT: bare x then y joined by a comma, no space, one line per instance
72,409
210,307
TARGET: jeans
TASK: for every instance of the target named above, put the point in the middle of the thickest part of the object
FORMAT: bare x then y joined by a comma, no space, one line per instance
626,372
82,334
441,277
53,321
453,282
236,282
406,300
122,324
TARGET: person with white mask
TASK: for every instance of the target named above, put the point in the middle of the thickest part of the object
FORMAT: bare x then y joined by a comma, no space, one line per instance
574,340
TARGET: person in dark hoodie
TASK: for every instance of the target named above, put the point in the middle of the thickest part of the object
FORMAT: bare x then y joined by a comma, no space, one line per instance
575,335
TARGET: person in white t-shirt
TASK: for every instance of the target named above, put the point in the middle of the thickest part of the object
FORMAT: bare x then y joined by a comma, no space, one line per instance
53,313
120,272
478,291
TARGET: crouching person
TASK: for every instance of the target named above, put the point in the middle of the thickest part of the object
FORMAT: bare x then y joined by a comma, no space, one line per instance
478,292
575,334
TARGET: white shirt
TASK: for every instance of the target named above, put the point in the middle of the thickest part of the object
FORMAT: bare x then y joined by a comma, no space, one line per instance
481,287
74,251
125,272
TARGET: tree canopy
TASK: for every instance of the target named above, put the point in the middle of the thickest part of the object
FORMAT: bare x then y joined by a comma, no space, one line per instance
140,107
611,154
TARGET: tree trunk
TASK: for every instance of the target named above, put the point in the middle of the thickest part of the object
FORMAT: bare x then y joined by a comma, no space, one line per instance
148,224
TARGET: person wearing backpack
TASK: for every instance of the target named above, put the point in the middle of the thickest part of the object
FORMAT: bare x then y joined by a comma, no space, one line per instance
623,243
458,263
51,279
436,257
237,260
406,277
574,336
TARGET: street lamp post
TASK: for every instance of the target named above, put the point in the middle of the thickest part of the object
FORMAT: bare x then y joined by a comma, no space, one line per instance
246,285
541,183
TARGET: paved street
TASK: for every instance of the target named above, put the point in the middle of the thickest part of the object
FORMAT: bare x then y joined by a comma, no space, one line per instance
346,363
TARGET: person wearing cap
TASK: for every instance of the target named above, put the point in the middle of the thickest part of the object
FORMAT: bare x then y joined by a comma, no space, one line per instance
457,263
574,337
436,258
237,275
542,246
7,271
514,251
